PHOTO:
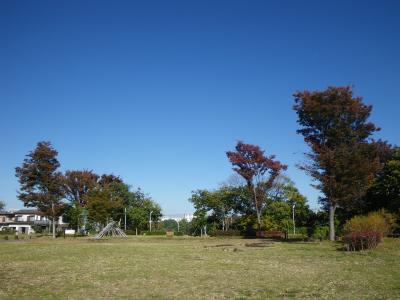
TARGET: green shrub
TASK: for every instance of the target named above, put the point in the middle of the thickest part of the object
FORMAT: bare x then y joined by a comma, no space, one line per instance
300,231
380,221
131,232
320,232
37,228
6,237
7,231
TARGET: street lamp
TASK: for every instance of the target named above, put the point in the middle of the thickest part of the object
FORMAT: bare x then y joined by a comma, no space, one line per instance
294,225
150,221
125,218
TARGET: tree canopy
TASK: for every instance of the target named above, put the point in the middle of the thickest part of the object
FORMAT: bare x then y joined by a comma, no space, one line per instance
343,159
41,183
259,171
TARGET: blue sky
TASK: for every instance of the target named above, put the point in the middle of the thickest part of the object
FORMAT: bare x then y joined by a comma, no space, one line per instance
157,91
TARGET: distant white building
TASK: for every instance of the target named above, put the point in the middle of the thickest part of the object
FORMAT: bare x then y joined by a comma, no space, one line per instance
24,220
187,217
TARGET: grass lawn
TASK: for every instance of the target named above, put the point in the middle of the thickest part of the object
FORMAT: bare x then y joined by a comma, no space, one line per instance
196,268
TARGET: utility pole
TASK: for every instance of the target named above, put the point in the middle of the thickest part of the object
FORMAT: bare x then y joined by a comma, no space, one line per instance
150,221
177,222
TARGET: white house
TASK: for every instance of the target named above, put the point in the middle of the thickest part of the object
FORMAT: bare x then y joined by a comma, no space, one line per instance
24,220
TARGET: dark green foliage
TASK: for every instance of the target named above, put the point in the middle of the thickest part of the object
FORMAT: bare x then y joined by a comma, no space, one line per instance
320,232
37,228
385,191
139,212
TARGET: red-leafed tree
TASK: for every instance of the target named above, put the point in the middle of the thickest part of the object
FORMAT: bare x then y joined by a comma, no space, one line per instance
41,183
343,158
258,170
76,185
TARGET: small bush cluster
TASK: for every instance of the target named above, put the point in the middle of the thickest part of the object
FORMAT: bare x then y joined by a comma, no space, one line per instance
320,232
358,241
379,221
366,232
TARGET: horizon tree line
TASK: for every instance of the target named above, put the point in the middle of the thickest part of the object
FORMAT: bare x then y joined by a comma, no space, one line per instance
354,173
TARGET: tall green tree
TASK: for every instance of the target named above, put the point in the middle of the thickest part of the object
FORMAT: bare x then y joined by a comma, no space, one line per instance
282,200
2,205
139,214
219,205
40,182
385,191
343,159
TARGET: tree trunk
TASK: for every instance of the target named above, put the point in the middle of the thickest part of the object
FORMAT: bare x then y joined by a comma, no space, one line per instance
54,224
332,208
54,228
258,212
258,219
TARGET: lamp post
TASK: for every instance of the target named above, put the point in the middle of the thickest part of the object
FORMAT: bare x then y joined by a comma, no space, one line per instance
125,219
177,222
294,224
150,221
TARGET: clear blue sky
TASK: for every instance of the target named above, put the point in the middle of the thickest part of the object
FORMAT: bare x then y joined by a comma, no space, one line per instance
157,91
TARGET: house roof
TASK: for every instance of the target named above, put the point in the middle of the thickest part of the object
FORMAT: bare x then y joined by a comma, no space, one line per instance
28,212
3,212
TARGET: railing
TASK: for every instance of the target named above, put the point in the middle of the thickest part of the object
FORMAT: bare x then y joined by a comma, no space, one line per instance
41,222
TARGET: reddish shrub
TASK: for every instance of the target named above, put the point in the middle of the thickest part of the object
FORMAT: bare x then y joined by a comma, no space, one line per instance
230,232
270,234
365,240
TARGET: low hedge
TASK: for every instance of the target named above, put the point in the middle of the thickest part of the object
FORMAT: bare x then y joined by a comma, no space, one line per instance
222,233
358,241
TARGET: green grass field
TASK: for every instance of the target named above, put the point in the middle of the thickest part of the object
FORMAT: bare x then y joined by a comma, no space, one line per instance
196,268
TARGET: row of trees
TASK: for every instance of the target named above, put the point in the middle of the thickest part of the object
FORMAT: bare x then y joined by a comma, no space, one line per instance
87,200
355,173
232,206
